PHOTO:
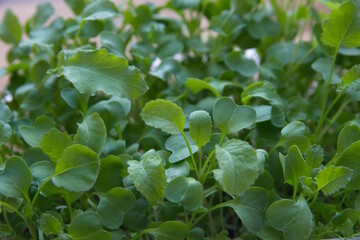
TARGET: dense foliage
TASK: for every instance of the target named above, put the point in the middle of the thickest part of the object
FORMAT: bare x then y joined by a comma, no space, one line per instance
196,119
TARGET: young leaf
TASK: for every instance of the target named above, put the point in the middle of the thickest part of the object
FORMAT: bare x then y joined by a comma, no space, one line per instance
91,133
293,166
77,169
236,61
351,76
88,225
179,169
314,156
10,28
164,115
200,127
43,12
294,219
342,27
230,118
110,173
15,178
239,166
34,135
177,145
99,10
5,132
294,134
148,176
5,113
97,70
348,135
171,230
196,85
114,204
250,208
185,190
331,179
264,90
49,224
54,142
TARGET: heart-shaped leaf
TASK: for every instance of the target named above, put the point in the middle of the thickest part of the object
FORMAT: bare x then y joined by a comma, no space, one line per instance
148,176
88,225
34,135
171,230
164,115
239,166
77,169
15,178
230,118
177,145
54,142
114,204
200,127
91,133
185,190
98,70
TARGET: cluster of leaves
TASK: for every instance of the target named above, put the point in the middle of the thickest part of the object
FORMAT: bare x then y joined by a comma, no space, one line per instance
214,119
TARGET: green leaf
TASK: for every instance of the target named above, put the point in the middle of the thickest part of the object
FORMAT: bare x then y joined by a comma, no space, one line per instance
76,5
215,86
5,132
250,208
264,90
236,61
294,219
348,135
54,142
342,27
114,204
164,115
331,179
352,75
171,230
5,113
91,133
74,99
148,176
99,10
323,65
350,158
97,70
239,166
293,166
178,169
87,225
230,118
10,28
49,224
113,43
200,127
294,134
15,178
185,190
185,4
109,175
34,135
314,156
77,169
177,145
43,12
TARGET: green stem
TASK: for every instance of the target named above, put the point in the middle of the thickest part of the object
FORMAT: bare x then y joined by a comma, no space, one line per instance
186,217
31,229
39,190
220,205
295,192
6,217
118,131
278,144
191,154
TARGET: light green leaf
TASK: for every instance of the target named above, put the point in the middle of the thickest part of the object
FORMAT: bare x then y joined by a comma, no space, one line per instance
177,145
200,127
49,224
323,65
164,115
215,86
110,173
34,135
76,5
77,169
263,113
91,133
178,169
5,113
185,190
43,12
294,219
264,90
185,4
99,10
113,43
54,142
10,28
351,78
89,226
331,179
15,178
5,132
114,204
230,118
236,61
348,135
342,27
239,166
293,166
171,230
294,134
148,176
314,156
97,70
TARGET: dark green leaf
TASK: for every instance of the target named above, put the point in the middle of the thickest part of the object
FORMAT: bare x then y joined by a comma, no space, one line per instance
236,61
171,230
34,135
110,173
49,224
